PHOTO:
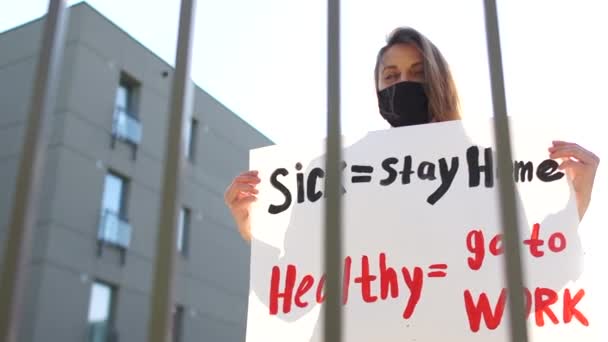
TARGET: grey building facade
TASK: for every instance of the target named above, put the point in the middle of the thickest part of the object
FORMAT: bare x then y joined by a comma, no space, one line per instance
91,267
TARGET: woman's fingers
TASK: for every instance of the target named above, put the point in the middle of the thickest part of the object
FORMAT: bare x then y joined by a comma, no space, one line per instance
569,164
241,214
245,182
572,168
238,188
581,166
252,173
561,143
573,151
244,202
238,198
248,179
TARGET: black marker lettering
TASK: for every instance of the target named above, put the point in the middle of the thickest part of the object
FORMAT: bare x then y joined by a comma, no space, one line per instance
387,165
447,177
311,190
426,170
300,181
521,170
276,209
407,170
475,169
546,171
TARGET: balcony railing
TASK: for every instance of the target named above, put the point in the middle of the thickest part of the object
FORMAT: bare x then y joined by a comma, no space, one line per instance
101,332
126,126
114,230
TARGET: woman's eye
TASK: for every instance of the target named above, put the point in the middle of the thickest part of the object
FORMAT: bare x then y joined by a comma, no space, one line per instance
390,77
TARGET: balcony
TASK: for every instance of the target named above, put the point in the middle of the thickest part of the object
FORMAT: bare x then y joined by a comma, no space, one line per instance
114,230
101,332
126,127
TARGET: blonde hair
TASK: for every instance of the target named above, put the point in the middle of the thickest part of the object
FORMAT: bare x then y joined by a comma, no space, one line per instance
439,85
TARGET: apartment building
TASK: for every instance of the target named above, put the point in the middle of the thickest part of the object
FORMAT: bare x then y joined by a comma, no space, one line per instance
91,267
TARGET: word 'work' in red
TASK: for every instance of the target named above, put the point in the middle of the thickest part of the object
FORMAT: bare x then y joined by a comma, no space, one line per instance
544,302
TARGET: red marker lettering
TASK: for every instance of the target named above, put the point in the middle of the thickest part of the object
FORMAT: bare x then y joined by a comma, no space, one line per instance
475,244
528,302
304,287
275,294
557,242
543,299
475,311
415,285
346,280
365,280
320,297
534,242
496,247
570,307
388,279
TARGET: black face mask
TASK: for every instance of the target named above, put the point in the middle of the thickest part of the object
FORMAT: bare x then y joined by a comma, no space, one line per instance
404,104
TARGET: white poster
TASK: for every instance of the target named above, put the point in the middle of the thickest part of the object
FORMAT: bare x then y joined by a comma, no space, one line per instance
423,253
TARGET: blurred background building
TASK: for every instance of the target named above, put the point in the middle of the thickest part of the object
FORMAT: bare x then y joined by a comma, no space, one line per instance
90,273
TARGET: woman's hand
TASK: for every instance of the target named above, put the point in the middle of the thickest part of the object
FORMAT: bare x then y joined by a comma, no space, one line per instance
238,197
580,165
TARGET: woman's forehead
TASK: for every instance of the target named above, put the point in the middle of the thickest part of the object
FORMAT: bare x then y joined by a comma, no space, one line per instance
401,53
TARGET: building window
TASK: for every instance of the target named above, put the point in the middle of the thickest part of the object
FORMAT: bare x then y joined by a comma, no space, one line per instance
114,227
183,230
126,95
126,123
115,194
178,323
191,139
101,312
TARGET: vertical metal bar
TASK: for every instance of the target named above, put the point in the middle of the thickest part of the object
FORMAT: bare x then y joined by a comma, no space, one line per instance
159,324
33,158
510,226
333,207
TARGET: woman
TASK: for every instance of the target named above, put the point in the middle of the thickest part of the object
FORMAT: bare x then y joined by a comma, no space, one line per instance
415,86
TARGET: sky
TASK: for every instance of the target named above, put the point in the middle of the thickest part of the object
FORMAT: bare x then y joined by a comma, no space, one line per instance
266,61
